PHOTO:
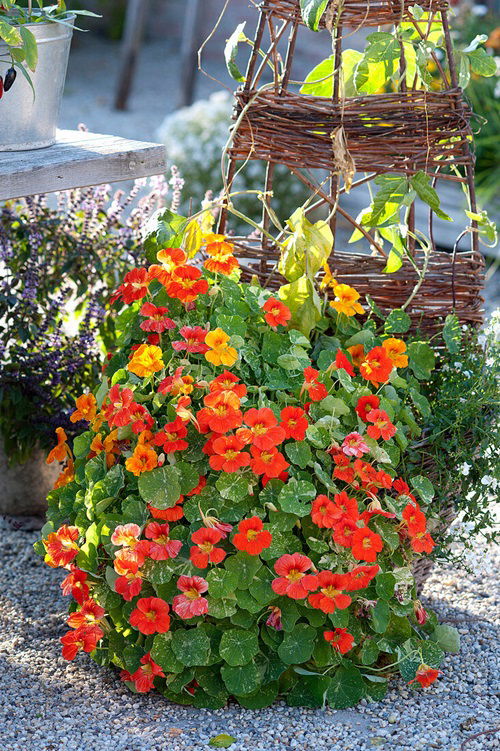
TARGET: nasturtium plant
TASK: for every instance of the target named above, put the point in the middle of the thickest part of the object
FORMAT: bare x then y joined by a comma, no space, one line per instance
235,519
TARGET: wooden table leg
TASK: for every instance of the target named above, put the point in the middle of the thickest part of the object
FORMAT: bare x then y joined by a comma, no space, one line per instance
192,35
131,45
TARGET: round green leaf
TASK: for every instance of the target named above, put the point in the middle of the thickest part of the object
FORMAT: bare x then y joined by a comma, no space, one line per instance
191,646
346,687
298,645
238,647
160,487
241,680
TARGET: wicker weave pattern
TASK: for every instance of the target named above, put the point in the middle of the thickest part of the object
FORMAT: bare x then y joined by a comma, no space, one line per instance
403,131
453,282
356,12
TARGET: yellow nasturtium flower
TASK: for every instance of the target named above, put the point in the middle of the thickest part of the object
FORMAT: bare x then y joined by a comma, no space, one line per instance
346,300
220,353
146,360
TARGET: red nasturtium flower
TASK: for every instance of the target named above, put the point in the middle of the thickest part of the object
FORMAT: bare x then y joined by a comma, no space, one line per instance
294,422
315,390
194,340
134,286
331,595
292,578
277,314
161,547
205,551
354,445
366,544
171,437
425,675
172,514
90,614
340,639
422,542
252,537
402,488
343,363
343,532
269,462
377,366
190,603
150,616
83,639
347,507
228,455
221,418
143,678
157,319
126,535
263,430
228,382
121,402
129,582
361,576
61,546
367,404
324,513
75,584
186,284
382,426
414,518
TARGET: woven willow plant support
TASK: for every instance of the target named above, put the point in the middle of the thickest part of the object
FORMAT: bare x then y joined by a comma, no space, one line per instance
353,140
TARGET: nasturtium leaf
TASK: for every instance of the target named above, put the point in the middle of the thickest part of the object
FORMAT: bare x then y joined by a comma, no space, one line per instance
263,697
160,487
294,497
304,303
81,443
446,637
232,487
346,687
432,654
232,325
421,402
319,82
309,691
369,652
188,476
298,452
245,566
384,585
298,645
481,63
421,360
223,740
397,322
312,12
238,646
424,487
231,52
222,608
191,646
380,616
162,653
221,582
452,333
241,680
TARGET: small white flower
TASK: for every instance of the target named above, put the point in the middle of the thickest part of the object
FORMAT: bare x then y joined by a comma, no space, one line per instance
487,480
465,468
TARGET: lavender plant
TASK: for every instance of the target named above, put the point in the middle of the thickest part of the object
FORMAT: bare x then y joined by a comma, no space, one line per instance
58,263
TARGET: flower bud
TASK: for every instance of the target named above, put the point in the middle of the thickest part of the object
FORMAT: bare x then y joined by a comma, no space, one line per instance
420,612
274,619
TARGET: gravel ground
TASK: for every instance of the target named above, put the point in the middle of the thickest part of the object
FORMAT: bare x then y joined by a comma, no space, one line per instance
47,704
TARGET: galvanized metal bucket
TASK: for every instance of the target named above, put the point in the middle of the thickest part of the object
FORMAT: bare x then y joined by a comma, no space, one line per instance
27,122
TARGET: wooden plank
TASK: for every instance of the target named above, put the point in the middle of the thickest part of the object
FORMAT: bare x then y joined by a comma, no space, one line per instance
77,160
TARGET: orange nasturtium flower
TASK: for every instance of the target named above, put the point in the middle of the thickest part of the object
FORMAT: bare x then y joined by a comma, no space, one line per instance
86,408
221,259
346,300
328,280
220,353
395,349
142,460
146,360
60,452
